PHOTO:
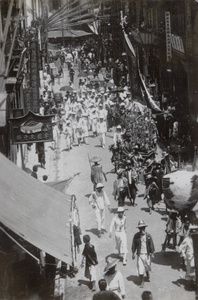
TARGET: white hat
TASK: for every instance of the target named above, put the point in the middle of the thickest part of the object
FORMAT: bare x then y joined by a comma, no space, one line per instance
120,209
99,185
119,127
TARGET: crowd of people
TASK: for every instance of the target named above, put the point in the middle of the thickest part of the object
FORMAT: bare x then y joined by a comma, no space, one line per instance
98,106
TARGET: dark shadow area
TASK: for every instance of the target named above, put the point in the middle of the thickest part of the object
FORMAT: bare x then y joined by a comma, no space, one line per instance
98,146
66,149
146,209
183,282
84,282
114,210
134,279
140,195
111,171
87,195
51,148
93,230
112,256
27,170
168,258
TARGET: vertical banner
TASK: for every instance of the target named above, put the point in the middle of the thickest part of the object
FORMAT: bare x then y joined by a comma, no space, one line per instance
34,75
168,36
27,96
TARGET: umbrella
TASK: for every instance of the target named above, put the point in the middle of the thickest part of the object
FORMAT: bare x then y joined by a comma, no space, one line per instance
82,74
66,88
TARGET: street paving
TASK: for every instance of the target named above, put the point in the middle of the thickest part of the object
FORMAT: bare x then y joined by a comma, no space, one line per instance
167,281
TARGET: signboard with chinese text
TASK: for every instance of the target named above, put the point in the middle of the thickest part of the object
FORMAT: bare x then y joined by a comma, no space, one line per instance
177,43
168,36
34,75
31,128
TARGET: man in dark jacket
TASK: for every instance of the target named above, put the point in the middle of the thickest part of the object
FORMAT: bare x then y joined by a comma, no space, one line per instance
104,294
144,247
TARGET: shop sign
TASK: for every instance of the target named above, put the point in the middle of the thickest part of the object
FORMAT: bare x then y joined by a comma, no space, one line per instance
31,128
27,96
34,75
177,43
168,36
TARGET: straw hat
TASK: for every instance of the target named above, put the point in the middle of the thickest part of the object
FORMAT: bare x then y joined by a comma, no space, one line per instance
110,264
120,209
95,159
120,171
99,185
149,162
141,224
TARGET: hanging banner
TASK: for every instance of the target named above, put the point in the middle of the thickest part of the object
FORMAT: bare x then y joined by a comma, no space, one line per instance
168,36
34,76
31,128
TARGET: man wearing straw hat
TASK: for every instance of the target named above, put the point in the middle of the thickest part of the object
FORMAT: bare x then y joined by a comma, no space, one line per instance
97,173
143,245
119,224
98,199
114,279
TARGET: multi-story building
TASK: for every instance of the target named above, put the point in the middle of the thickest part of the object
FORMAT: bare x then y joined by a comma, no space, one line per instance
164,35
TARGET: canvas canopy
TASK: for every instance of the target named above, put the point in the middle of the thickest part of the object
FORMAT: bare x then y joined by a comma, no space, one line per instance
36,212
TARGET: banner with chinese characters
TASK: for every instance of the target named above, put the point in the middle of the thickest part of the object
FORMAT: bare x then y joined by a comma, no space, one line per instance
168,36
31,128
34,75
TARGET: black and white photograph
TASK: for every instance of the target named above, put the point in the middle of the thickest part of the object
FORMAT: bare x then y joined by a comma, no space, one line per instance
98,149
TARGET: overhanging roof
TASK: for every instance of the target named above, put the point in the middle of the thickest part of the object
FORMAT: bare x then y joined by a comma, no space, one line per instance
36,212
68,33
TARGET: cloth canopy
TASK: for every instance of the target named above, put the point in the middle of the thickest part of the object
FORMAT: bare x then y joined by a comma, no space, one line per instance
67,33
34,211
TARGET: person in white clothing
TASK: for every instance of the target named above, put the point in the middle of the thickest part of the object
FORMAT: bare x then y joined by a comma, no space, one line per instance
114,279
118,223
102,129
98,199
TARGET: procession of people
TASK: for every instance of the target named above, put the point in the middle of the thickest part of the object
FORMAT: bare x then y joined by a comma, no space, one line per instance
91,110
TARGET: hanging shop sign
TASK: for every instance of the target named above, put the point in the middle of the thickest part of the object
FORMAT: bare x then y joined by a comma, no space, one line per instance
34,75
31,128
168,36
177,43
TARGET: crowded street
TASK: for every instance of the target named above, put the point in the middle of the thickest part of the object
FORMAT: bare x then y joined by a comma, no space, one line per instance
167,274
98,149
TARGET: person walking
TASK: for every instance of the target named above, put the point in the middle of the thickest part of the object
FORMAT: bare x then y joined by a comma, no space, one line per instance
90,261
120,188
143,245
98,199
118,223
131,174
114,279
102,129
103,294
97,173
34,172
187,252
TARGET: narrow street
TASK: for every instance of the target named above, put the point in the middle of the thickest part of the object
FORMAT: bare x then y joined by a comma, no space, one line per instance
166,275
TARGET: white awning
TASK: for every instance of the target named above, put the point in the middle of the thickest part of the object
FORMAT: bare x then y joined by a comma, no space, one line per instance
37,213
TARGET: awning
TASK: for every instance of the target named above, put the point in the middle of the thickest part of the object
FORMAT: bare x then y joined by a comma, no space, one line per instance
3,98
37,213
68,33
